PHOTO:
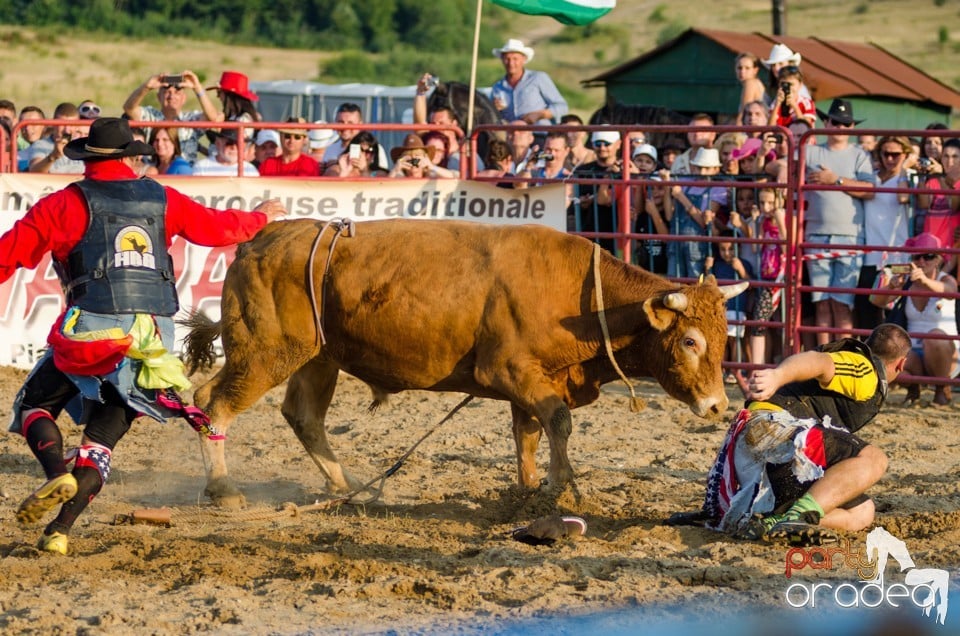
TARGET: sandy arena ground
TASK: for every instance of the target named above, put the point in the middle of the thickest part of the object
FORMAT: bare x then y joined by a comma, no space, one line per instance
432,556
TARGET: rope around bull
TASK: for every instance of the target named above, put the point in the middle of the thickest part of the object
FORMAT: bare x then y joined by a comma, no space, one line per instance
172,516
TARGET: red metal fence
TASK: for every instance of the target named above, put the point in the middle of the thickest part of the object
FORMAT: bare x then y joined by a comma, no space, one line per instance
791,325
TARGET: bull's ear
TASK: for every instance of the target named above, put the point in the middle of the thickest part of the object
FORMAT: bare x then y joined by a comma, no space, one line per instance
659,316
709,279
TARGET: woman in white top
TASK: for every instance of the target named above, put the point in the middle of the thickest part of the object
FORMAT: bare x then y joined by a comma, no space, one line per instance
928,315
887,222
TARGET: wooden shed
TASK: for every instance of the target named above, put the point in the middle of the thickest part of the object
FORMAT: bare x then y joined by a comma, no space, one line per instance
694,73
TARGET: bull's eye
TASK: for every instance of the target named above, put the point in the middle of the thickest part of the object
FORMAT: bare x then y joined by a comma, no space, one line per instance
689,342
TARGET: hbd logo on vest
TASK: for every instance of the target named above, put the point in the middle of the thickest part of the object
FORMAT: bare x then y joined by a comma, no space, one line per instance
133,248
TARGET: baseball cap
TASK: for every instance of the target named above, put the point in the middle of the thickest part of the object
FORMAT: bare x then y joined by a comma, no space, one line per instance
264,136
645,149
609,136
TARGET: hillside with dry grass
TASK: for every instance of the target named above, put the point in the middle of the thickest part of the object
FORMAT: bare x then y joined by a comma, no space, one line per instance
48,66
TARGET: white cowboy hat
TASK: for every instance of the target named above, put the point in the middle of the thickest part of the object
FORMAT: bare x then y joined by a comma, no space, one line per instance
321,137
514,46
706,158
781,53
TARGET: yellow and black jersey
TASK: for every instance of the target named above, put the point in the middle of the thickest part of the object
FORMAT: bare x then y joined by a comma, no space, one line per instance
852,397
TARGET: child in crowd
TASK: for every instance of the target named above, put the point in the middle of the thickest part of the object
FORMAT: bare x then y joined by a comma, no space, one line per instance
692,213
792,107
773,228
728,266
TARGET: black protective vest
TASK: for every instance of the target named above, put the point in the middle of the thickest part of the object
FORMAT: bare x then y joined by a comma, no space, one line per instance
121,265
808,399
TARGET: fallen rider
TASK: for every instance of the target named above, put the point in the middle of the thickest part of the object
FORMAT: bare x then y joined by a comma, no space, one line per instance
791,467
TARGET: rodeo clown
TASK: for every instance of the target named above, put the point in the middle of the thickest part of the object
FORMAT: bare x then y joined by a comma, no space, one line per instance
108,359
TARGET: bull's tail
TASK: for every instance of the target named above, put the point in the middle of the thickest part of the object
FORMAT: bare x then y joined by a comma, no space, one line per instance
198,351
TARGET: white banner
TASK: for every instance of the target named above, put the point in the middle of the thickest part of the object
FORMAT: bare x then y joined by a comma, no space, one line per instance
31,300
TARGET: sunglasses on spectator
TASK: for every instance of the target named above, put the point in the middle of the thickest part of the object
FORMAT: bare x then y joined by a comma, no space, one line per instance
833,123
291,136
602,143
89,110
172,87
925,257
892,155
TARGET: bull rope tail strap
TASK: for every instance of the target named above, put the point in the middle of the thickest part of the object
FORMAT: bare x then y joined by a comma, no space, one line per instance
636,403
341,226
168,516
382,477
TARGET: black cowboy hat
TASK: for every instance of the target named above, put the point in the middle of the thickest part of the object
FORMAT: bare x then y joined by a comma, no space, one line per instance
841,111
108,138
230,134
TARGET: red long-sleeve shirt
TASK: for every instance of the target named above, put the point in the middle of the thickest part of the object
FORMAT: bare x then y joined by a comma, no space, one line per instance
58,221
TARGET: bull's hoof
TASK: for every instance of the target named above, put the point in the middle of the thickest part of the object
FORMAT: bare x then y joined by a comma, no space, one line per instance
224,494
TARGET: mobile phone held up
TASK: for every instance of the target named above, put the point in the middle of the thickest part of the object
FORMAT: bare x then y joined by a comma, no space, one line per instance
354,151
899,268
171,80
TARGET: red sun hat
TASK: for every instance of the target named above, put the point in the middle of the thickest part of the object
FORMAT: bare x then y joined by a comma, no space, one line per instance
237,83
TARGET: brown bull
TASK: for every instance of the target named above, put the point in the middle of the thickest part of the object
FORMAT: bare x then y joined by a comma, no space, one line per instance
509,313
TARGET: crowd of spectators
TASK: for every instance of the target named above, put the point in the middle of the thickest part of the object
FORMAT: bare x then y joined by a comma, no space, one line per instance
715,184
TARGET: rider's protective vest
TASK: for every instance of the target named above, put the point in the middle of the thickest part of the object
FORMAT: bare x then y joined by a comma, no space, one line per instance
808,399
121,265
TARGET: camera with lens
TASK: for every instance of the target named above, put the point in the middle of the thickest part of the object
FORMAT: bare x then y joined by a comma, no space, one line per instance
785,87
414,161
431,81
925,164
545,156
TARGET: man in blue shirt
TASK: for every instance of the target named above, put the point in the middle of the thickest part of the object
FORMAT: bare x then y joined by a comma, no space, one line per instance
522,94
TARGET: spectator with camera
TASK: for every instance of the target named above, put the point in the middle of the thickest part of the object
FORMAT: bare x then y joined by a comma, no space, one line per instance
790,105
349,113
925,314
415,160
942,218
360,159
441,116
780,57
171,93
550,163
46,156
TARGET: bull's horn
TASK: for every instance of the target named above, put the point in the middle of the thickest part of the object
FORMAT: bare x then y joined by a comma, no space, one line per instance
676,301
729,291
